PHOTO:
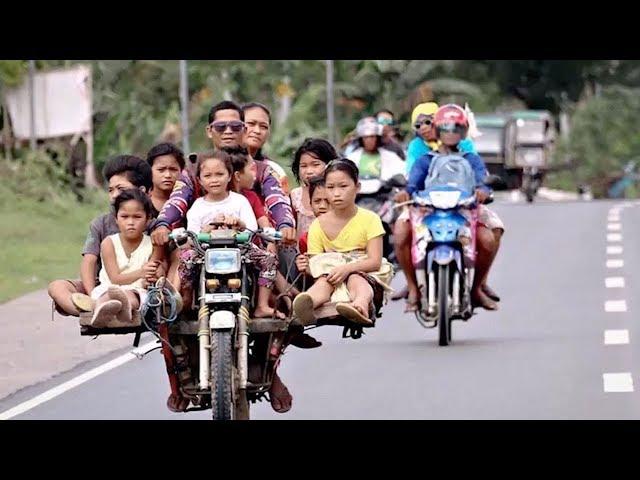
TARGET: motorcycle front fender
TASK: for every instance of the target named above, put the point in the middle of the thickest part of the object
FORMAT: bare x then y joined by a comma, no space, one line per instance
222,320
444,255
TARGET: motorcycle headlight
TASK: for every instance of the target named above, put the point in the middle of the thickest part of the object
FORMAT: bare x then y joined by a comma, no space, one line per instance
444,200
222,261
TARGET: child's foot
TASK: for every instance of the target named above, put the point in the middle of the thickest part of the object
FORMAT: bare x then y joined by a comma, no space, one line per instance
303,308
267,312
84,303
354,312
105,312
116,293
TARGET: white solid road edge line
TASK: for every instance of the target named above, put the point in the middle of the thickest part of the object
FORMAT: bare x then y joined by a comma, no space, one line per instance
616,337
617,382
74,382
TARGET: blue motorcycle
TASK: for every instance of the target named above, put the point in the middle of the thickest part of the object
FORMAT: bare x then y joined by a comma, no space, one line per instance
444,249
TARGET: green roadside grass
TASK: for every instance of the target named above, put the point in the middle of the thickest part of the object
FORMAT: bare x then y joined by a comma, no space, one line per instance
42,240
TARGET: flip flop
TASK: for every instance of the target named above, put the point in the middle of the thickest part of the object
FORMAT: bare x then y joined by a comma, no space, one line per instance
303,308
352,313
304,341
105,313
399,295
486,303
117,293
412,305
82,302
490,293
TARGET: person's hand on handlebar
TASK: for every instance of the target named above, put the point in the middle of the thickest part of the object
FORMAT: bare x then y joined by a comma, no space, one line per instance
402,197
481,195
288,235
160,236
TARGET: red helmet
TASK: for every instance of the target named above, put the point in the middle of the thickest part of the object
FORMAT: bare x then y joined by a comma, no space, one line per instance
451,114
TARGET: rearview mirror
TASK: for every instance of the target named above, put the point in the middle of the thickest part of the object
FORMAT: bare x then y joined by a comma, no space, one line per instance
495,182
398,181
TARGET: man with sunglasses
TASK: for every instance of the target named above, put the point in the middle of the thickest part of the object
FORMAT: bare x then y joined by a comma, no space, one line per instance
226,129
451,124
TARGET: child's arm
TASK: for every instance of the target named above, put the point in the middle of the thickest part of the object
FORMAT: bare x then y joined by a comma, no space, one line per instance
88,267
371,263
108,254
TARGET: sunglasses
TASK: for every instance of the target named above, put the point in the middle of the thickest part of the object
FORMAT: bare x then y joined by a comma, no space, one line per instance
451,128
385,121
426,122
235,126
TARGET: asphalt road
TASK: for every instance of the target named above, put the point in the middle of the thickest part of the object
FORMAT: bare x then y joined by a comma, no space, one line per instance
543,355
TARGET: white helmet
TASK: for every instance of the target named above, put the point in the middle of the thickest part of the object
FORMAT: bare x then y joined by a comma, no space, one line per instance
367,127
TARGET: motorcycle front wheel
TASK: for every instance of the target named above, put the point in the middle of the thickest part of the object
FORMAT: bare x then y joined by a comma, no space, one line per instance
444,320
221,375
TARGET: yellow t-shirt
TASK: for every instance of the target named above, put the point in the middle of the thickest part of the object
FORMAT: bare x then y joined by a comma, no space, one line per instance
355,235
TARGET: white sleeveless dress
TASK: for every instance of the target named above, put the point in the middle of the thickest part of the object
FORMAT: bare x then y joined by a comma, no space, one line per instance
135,261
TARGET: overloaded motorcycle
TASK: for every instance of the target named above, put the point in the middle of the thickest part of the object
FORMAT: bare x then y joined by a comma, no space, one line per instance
378,196
222,359
446,244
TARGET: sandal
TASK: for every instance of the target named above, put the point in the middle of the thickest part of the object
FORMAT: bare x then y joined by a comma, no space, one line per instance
412,304
352,313
105,313
84,303
303,308
482,300
304,341
490,293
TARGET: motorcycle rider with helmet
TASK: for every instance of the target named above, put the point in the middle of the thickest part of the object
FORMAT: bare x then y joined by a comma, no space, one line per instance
451,124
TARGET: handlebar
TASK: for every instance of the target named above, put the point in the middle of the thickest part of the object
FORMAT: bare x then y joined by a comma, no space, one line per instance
180,236
414,201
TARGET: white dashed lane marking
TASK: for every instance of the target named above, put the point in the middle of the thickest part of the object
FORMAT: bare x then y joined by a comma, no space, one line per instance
615,263
614,249
616,337
617,382
615,306
614,282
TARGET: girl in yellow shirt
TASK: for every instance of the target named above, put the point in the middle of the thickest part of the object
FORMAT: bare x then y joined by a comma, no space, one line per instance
345,249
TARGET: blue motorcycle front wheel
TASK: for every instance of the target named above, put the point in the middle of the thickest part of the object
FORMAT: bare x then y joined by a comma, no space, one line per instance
444,316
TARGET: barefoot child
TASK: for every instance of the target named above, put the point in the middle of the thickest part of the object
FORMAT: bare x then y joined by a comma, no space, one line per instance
126,261
345,249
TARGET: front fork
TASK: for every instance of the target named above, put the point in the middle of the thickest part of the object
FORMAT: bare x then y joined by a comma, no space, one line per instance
243,332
